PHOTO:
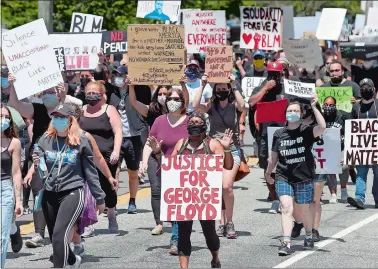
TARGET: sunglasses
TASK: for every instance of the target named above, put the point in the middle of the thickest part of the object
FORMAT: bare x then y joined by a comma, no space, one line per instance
177,99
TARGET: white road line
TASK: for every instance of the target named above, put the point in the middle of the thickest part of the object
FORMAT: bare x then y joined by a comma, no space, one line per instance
324,243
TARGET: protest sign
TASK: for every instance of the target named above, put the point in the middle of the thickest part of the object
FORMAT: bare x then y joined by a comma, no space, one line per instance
359,51
346,31
114,42
249,84
204,28
364,39
334,15
312,35
159,10
181,14
31,58
261,28
80,50
359,22
191,187
303,53
372,18
288,22
218,64
156,54
305,24
86,23
300,89
59,53
370,30
326,151
361,142
341,94
271,111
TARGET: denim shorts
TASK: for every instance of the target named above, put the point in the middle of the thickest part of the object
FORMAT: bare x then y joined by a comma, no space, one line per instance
236,155
320,178
303,192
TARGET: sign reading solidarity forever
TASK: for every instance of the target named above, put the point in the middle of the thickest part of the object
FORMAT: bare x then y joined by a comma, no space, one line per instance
191,187
218,64
303,53
59,53
341,94
31,58
114,42
249,84
156,54
86,23
261,28
203,29
361,142
300,89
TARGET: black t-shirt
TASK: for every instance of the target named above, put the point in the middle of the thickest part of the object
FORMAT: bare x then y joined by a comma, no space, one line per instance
346,83
294,148
338,121
41,122
365,111
143,94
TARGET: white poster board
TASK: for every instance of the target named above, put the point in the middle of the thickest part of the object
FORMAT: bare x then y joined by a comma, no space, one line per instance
359,22
288,22
80,50
303,53
305,24
30,57
86,23
372,18
249,84
159,10
300,89
330,24
192,190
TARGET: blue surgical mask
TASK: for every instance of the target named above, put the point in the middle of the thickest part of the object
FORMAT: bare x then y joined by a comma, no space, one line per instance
5,123
292,117
4,82
60,124
49,100
192,73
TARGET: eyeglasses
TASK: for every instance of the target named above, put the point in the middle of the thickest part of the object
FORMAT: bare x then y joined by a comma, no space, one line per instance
197,122
177,99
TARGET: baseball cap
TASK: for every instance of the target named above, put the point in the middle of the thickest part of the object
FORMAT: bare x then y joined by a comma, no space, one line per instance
64,109
276,67
121,70
259,53
367,81
283,59
193,62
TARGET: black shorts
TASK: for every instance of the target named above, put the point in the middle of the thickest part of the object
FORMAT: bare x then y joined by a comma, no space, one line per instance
262,144
131,151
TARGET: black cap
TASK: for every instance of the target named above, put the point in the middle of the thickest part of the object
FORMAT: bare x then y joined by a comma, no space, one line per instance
367,81
64,109
121,70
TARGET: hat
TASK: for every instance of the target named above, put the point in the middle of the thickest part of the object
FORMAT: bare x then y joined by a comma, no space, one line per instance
258,53
64,109
276,67
200,115
193,62
121,70
367,81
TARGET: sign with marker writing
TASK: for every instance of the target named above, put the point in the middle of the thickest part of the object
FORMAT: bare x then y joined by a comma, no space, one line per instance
341,94
326,31
204,28
86,23
361,142
159,10
31,58
303,53
249,84
261,28
359,51
218,64
59,53
156,54
114,42
80,50
191,187
300,89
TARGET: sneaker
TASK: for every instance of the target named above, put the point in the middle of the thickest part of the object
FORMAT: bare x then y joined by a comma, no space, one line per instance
51,259
88,232
315,235
113,225
27,210
174,250
230,230
344,196
216,264
376,204
308,244
333,199
297,228
275,207
16,241
284,249
77,263
158,230
356,203
35,242
78,250
132,209
141,180
221,231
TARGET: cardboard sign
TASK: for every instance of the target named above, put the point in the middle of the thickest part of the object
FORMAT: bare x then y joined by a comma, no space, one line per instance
156,54
203,29
326,152
330,24
218,64
86,23
159,10
341,94
114,42
191,187
271,111
303,53
361,142
372,18
31,58
305,24
80,50
359,22
249,84
300,89
261,28
59,53
359,51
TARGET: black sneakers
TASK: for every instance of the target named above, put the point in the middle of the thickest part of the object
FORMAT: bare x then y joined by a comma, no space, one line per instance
376,204
16,241
315,235
308,244
296,230
356,203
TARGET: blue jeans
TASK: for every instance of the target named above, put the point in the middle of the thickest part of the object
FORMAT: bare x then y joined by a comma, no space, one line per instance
7,209
174,238
362,172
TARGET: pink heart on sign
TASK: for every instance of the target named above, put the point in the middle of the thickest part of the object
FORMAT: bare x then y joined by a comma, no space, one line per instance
247,38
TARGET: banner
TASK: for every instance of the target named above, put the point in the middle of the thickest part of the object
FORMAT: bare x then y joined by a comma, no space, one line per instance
191,187
218,64
249,84
359,51
86,23
80,50
359,22
300,89
327,31
341,94
59,54
370,30
203,29
114,42
361,142
271,111
159,10
30,58
303,53
156,54
261,28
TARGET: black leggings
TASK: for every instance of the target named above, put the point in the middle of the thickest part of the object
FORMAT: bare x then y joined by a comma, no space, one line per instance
62,210
111,195
155,182
185,230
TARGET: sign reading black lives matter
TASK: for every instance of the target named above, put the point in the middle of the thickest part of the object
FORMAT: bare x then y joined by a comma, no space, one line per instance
361,142
59,53
156,54
114,42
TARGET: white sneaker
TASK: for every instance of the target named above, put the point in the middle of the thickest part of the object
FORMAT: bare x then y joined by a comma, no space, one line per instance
78,249
77,263
275,207
344,195
88,232
333,199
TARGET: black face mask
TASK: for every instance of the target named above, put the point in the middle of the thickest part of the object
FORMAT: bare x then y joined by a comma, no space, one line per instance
367,94
84,81
196,130
222,95
93,100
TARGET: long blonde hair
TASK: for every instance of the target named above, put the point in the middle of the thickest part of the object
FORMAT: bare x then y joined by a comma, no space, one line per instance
74,132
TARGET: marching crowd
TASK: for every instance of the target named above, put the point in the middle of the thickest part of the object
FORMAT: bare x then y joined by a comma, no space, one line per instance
71,141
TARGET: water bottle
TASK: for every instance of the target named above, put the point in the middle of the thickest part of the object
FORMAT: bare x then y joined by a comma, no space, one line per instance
42,168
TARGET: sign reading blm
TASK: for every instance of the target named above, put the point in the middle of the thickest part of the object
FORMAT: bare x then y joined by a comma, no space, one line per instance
156,54
114,42
86,23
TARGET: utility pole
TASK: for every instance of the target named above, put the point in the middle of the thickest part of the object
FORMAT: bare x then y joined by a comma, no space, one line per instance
45,11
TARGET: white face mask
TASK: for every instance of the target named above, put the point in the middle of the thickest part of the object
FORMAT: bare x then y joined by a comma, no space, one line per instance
173,106
161,99
119,82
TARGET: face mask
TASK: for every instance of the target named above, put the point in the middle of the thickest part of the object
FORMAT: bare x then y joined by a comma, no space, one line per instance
93,99
173,106
337,79
329,110
292,117
60,124
367,94
222,95
49,100
192,73
119,82
196,130
4,82
5,123
84,82
259,63
161,99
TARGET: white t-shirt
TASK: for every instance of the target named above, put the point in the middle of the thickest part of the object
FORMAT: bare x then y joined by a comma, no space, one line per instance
193,87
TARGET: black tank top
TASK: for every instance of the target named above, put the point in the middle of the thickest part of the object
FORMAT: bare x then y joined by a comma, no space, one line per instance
101,130
6,164
202,151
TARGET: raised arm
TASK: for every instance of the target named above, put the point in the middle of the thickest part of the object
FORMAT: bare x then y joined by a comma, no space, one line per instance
222,147
25,109
140,107
321,124
238,97
197,97
185,91
256,98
